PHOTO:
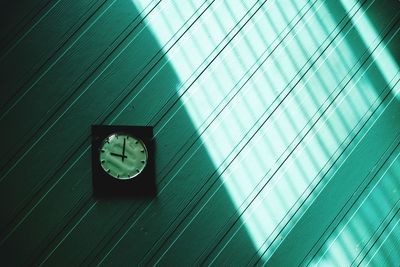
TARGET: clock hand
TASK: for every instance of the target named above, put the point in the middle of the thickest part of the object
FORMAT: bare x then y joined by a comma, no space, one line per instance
118,155
123,151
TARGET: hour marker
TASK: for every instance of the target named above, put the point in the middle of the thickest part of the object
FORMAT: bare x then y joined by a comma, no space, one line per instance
102,161
138,170
142,150
108,170
136,142
142,161
117,175
102,151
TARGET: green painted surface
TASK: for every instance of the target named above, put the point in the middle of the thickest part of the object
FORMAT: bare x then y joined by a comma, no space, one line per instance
276,127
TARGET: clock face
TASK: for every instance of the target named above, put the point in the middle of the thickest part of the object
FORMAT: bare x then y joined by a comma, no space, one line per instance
123,156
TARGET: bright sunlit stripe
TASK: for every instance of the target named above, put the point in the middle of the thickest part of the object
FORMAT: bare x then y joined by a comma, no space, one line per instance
225,135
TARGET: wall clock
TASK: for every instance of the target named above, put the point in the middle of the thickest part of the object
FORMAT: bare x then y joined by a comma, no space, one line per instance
122,160
123,156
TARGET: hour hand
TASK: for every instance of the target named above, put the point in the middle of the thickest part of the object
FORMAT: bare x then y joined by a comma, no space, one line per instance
118,155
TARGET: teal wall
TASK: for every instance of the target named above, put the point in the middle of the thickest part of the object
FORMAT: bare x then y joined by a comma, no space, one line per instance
277,131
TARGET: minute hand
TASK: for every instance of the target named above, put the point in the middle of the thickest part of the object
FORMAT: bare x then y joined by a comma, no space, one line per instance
123,151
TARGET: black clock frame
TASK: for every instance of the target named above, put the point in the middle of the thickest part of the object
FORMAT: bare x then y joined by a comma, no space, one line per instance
104,184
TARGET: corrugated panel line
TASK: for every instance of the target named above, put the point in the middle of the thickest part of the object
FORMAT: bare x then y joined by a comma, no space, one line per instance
287,88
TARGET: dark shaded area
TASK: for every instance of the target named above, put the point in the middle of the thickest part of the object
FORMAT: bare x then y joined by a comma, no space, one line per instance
15,16
32,36
51,215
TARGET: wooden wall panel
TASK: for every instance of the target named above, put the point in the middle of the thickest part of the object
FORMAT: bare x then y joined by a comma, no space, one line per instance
296,81
32,52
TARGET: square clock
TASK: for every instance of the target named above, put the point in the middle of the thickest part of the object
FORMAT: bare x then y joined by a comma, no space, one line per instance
123,160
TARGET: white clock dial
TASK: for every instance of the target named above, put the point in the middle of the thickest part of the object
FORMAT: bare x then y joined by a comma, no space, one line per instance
123,156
